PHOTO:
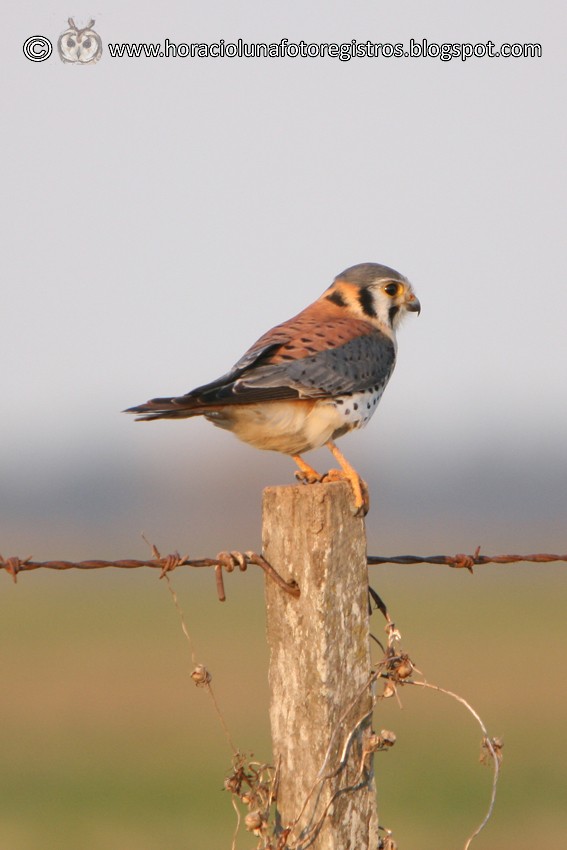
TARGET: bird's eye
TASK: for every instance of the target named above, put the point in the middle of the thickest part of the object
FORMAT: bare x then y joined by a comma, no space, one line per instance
392,288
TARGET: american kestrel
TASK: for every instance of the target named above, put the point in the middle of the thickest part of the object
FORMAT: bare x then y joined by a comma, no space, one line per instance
311,379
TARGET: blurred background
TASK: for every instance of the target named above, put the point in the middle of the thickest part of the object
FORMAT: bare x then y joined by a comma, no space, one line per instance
159,216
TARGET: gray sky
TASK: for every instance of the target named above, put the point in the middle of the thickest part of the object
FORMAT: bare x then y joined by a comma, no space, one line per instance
160,214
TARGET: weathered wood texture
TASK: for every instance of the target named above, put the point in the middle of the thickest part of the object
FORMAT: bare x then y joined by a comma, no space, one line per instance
319,664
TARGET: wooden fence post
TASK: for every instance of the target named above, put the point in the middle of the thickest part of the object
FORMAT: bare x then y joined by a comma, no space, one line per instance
319,664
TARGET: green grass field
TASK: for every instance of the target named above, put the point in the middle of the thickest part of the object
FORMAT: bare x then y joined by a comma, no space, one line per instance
106,744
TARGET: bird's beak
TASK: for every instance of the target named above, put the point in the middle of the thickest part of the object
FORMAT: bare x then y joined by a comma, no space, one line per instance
412,304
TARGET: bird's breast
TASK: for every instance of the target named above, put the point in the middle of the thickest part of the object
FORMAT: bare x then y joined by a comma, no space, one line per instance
356,409
297,425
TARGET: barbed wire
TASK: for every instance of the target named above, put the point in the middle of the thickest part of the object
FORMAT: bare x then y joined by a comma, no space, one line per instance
228,561
466,562
254,784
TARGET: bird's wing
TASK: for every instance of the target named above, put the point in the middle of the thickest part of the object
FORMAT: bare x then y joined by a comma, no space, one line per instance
216,393
359,364
302,358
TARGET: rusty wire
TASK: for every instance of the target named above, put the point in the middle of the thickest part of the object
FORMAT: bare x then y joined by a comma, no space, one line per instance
466,562
230,560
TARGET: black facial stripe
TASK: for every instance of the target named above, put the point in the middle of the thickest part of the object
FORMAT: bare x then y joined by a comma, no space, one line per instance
366,302
392,312
336,298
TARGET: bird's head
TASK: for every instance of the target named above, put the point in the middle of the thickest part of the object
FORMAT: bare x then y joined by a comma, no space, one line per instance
376,293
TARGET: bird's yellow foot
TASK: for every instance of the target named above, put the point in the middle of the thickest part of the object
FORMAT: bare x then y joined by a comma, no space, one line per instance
305,472
349,473
359,489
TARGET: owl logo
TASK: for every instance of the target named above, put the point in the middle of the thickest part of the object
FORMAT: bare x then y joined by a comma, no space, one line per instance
80,46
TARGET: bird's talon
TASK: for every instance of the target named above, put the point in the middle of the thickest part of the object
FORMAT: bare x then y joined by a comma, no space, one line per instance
361,504
365,506
307,477
347,473
361,510
306,473
333,475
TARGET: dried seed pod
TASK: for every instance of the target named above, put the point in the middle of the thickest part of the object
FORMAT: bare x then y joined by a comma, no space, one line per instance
404,668
373,743
388,737
232,784
253,821
382,741
389,690
201,675
486,753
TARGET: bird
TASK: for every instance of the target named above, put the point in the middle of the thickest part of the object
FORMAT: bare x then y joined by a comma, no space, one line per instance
311,379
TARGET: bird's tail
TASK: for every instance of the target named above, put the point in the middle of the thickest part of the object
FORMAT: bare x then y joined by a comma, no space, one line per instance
181,407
